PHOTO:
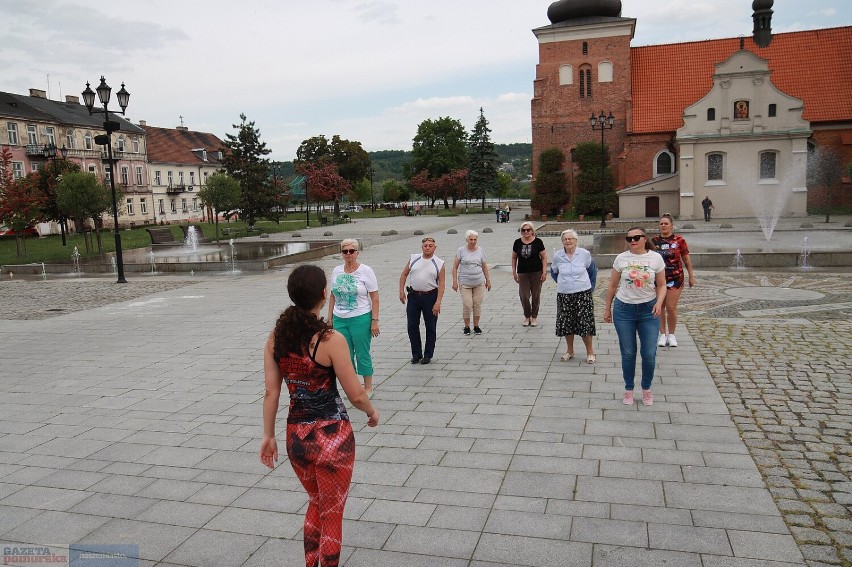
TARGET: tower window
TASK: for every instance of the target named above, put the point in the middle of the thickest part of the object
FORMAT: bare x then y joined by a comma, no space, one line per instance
566,75
773,110
585,81
711,114
585,48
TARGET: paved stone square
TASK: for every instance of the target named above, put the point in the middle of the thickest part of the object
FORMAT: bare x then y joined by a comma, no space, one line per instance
132,416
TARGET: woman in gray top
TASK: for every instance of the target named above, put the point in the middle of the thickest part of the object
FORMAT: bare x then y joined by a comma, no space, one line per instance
471,279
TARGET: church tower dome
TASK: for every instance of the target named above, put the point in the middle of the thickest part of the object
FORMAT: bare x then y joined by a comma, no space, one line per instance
563,10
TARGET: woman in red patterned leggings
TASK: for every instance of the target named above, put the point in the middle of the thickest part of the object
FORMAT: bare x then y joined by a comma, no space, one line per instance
310,357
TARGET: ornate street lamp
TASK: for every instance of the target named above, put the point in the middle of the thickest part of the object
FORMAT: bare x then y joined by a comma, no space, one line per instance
104,91
49,152
372,197
602,122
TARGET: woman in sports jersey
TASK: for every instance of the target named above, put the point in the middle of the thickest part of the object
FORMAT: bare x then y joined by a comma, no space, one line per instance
311,358
672,247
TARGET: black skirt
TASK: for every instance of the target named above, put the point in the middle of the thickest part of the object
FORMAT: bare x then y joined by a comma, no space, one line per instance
575,314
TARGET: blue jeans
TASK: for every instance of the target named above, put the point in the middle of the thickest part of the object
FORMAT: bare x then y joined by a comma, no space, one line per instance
421,305
630,319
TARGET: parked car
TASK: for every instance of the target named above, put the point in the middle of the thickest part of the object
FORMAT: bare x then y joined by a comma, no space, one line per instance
354,209
8,232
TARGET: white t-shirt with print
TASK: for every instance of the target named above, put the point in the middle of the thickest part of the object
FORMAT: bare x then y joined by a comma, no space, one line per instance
638,276
352,291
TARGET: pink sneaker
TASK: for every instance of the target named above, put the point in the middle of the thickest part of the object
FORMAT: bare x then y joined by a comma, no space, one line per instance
628,397
647,397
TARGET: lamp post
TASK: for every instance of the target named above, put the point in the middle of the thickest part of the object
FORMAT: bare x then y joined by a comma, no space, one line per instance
602,123
372,197
49,151
110,126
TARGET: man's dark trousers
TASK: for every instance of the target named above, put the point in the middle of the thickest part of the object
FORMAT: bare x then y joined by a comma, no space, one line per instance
422,304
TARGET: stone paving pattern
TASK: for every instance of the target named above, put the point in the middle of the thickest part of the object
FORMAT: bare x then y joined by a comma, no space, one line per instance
137,418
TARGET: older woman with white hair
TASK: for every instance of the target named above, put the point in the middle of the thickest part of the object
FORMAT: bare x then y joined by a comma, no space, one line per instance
353,308
529,257
575,273
471,279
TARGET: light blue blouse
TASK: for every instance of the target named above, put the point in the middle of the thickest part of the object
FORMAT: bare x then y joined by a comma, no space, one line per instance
572,274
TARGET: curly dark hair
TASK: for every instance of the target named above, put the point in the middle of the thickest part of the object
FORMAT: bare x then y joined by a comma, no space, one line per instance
297,324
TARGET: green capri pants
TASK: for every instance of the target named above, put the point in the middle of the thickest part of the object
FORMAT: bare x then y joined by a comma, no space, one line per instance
358,336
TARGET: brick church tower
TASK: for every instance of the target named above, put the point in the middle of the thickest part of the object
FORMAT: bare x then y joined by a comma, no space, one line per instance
583,69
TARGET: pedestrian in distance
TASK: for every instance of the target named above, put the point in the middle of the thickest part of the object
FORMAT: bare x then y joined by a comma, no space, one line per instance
311,358
672,247
634,300
353,308
471,279
576,275
529,257
707,205
426,278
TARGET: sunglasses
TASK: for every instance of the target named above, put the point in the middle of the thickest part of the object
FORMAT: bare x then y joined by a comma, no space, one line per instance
348,251
526,230
428,239
634,238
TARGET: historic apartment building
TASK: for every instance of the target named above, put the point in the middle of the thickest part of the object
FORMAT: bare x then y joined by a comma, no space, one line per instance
29,123
732,119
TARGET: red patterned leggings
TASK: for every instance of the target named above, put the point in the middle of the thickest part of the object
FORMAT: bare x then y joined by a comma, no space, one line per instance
322,455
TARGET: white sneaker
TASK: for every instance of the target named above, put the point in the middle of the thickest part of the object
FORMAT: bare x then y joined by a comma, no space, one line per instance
672,341
663,340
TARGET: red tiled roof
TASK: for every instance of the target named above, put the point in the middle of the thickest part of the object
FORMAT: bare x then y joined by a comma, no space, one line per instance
175,145
814,66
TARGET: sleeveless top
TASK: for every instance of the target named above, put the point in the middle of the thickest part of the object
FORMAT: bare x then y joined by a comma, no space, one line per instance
312,387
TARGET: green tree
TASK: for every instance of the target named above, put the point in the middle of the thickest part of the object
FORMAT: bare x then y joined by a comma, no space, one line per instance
244,162
352,161
222,194
482,161
551,191
82,196
504,184
21,201
391,190
439,149
587,155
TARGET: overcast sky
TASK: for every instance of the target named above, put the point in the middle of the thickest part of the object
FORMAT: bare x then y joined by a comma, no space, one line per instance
368,70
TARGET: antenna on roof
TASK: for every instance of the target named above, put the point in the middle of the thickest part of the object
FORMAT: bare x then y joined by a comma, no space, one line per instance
181,120
742,42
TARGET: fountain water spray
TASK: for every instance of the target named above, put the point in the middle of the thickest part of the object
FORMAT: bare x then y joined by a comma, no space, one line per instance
738,262
806,252
43,272
75,258
191,240
114,266
233,257
153,263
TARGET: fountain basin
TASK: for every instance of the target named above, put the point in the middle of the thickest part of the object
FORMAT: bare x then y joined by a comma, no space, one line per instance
247,257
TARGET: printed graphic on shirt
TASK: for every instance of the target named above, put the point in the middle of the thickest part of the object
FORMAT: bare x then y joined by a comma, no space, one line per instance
639,276
345,290
526,250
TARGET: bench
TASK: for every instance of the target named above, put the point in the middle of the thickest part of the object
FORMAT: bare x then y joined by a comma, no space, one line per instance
162,235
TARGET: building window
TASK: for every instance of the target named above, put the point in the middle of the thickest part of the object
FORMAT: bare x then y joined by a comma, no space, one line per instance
93,169
107,173
69,139
129,206
174,206
139,176
87,141
51,138
585,81
711,114
170,178
206,173
566,75
121,143
143,206
773,110
767,165
194,204
12,129
157,180
604,72
183,205
663,163
32,135
585,48
180,178
17,169
715,167
125,176
135,146
35,166
191,178
161,206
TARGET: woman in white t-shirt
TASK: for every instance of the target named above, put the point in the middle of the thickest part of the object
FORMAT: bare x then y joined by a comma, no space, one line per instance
471,279
353,308
637,288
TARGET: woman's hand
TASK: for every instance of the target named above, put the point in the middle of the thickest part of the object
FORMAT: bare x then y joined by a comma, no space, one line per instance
607,314
373,418
657,309
488,285
374,328
543,276
515,277
691,279
455,285
269,451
